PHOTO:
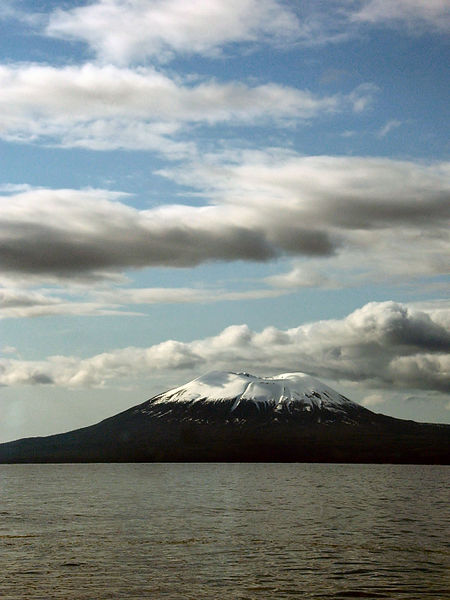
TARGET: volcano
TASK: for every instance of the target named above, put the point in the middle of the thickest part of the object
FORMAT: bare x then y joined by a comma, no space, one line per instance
239,417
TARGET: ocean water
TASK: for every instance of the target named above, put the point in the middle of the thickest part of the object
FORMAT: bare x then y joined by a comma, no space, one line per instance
224,531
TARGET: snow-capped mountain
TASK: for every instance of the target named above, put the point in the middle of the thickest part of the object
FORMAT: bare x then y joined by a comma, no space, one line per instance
226,416
283,390
229,395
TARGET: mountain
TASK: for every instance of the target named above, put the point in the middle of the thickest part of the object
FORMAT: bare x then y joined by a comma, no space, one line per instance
225,416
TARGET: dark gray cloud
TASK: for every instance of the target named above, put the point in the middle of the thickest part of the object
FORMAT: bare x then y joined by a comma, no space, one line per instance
68,232
41,248
417,331
394,212
41,379
377,212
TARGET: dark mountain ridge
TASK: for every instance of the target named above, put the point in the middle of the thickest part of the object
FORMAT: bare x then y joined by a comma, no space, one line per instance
239,417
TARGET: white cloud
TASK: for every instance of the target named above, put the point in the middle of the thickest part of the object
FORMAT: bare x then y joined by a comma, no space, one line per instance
24,303
14,188
8,350
16,303
393,258
14,10
374,399
8,9
90,91
381,345
109,107
125,30
416,13
388,127
183,295
302,277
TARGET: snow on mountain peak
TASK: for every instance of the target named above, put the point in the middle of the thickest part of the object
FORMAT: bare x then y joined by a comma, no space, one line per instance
278,391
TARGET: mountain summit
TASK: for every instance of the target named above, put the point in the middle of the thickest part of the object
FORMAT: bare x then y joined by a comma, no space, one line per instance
229,396
227,416
287,390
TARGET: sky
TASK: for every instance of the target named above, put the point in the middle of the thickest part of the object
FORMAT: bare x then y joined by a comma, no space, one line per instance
246,185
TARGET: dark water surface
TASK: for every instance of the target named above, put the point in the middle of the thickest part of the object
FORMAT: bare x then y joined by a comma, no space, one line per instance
224,531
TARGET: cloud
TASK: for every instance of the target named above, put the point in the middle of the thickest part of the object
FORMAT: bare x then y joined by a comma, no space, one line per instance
349,192
109,107
15,304
416,13
90,91
15,11
62,232
25,303
183,295
344,208
8,350
10,188
122,31
388,127
302,277
439,307
8,9
388,260
383,345
386,218
126,31
424,371
373,400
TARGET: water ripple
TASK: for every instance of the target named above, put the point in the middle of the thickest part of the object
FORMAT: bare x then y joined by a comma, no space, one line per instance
234,532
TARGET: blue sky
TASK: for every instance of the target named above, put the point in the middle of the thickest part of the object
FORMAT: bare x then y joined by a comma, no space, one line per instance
200,184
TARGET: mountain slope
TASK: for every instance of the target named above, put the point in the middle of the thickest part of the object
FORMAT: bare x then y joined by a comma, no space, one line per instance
224,416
